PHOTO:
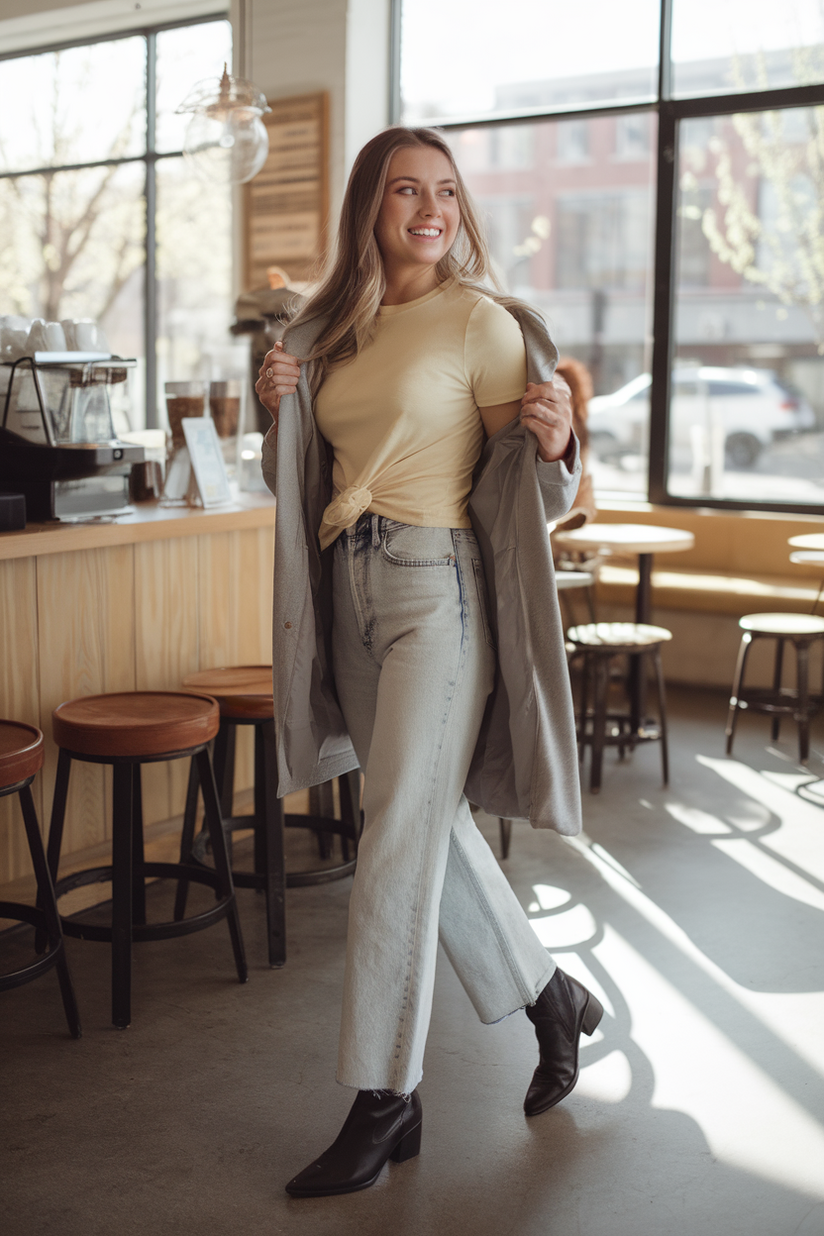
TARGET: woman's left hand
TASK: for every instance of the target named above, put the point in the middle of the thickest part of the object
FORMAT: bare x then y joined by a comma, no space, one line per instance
546,411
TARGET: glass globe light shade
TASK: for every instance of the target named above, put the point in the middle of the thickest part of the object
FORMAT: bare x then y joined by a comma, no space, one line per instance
226,140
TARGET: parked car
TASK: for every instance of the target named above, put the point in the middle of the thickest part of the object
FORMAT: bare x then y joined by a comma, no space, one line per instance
751,407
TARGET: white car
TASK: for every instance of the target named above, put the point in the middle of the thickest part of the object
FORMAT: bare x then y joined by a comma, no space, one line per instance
750,407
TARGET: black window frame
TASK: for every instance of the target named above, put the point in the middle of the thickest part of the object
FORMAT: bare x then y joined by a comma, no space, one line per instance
150,157
670,112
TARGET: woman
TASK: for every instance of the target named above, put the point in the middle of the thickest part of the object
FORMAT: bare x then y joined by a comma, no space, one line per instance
399,380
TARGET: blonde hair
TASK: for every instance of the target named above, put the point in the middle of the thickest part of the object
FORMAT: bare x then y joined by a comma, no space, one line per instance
353,283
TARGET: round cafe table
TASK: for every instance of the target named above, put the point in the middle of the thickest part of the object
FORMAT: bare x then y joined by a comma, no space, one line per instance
645,540
810,540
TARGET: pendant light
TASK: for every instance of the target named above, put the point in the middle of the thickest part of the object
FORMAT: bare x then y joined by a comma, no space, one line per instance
226,140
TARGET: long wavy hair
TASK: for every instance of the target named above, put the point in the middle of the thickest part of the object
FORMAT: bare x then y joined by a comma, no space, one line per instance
353,282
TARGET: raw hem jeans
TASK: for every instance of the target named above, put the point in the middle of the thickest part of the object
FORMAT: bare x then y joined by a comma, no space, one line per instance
414,665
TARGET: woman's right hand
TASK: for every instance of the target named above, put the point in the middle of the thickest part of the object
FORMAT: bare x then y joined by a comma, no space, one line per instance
279,376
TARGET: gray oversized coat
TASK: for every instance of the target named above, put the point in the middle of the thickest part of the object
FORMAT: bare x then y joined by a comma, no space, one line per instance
525,763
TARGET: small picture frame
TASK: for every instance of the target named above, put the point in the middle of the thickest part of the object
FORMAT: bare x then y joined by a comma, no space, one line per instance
207,460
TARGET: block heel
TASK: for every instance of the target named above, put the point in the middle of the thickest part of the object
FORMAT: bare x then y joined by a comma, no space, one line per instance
409,1146
593,1013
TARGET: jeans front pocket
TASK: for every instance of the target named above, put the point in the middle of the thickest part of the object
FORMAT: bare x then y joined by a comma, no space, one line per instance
480,585
411,545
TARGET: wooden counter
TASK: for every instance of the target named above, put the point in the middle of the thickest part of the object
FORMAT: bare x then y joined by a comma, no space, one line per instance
132,605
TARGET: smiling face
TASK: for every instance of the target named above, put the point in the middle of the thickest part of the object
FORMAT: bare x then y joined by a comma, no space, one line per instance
419,216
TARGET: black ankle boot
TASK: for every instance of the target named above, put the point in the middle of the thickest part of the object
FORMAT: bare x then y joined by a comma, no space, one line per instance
563,1009
380,1126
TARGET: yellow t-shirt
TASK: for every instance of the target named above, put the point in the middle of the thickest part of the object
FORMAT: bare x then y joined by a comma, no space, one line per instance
402,417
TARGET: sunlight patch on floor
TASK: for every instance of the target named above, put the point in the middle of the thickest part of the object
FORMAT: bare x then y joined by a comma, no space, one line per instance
747,1119
566,929
771,871
799,839
795,1019
608,1080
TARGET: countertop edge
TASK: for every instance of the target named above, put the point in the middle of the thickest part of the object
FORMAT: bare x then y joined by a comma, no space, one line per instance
145,523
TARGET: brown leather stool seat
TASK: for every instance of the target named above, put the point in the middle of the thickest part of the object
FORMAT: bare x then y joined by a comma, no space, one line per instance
599,643
798,702
127,730
244,695
21,757
136,723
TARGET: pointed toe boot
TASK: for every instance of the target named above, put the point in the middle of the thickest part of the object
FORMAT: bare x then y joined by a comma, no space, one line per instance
380,1126
563,1009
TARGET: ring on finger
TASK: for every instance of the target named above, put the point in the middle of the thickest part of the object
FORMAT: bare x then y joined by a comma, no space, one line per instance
269,373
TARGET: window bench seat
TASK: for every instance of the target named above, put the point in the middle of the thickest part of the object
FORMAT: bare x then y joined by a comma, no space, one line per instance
712,591
740,564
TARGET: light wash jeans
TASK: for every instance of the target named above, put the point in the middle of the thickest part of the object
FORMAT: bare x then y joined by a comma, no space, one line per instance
414,664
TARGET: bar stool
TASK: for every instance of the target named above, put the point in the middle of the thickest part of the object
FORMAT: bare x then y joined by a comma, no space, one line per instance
802,631
244,695
126,731
21,756
600,642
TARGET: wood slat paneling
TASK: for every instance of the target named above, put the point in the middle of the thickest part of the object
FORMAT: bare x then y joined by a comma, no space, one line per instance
18,696
166,650
235,612
85,607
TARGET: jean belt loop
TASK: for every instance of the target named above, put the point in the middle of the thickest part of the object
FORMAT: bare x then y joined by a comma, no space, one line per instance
376,532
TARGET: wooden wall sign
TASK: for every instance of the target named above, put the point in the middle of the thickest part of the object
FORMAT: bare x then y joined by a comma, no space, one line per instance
287,203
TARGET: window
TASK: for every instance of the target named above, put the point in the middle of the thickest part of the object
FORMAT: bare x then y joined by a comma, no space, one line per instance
100,216
632,136
669,221
572,142
603,239
574,241
752,315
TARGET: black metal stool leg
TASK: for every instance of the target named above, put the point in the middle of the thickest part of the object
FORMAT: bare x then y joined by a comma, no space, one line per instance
58,815
732,715
223,762
187,838
269,811
260,839
587,669
775,728
662,715
599,721
802,654
217,836
122,890
138,855
505,835
45,891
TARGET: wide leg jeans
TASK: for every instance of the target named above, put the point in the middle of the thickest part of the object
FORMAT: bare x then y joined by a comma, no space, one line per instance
414,665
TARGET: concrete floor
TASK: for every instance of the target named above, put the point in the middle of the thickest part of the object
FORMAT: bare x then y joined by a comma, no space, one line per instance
695,914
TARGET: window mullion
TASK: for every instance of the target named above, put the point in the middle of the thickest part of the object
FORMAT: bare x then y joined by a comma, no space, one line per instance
150,291
665,52
663,298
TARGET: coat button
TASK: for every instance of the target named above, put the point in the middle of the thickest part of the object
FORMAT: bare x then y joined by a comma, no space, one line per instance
288,626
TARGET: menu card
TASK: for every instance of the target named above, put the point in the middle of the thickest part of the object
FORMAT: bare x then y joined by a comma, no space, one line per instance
207,460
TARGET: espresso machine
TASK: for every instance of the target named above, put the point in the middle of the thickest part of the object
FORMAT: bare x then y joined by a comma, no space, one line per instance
58,446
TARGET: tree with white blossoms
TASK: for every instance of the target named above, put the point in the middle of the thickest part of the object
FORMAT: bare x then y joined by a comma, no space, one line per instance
783,253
